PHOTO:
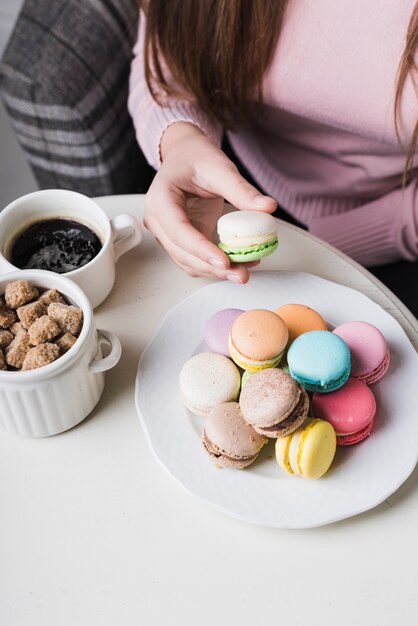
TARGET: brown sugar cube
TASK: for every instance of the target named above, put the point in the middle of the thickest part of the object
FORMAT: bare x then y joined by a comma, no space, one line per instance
17,350
6,338
66,342
40,355
52,295
69,318
3,364
19,293
16,327
7,316
29,313
42,330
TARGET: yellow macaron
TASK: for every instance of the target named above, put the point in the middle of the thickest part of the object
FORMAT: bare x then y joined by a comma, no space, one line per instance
309,450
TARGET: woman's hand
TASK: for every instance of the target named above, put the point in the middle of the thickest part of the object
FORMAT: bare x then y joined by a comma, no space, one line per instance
186,200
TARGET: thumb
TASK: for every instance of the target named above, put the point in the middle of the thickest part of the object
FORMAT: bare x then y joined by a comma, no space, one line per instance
226,181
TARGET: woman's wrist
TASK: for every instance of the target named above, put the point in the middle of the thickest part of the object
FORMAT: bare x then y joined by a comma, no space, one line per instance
176,133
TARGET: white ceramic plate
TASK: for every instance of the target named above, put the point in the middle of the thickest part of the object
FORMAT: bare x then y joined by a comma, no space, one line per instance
361,476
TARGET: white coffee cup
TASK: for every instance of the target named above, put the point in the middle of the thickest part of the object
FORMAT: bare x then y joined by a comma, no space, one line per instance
117,236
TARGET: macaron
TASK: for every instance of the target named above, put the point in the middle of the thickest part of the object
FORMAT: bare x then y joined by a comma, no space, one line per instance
299,319
217,330
273,403
247,235
319,360
257,340
246,374
370,356
309,450
228,439
206,380
350,410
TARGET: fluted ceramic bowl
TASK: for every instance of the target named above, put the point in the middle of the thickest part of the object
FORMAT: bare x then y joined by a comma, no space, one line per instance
57,396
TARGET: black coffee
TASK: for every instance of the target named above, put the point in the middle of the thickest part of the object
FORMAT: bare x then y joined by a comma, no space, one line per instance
57,245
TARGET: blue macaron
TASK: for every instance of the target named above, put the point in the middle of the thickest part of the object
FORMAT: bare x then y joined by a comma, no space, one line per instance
319,360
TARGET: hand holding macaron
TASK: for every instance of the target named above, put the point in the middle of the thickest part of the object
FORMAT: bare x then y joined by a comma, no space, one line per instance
186,199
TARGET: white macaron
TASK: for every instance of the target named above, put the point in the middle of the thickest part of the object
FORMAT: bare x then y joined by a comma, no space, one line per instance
206,380
247,235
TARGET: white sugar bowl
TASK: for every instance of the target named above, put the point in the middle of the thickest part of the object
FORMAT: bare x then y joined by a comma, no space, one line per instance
53,398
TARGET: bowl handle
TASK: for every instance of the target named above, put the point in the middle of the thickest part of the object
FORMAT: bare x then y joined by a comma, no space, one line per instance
101,365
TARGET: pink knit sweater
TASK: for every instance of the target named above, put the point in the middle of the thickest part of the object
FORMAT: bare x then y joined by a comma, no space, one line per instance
324,145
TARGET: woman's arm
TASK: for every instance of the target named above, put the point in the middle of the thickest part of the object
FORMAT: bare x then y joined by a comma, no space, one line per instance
194,177
382,231
150,119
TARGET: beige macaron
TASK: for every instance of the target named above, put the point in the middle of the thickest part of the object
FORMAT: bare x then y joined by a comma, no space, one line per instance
206,380
228,439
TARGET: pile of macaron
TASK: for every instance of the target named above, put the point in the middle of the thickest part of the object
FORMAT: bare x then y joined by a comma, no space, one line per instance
284,375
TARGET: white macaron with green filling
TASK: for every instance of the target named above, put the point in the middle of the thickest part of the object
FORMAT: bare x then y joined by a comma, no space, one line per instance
247,235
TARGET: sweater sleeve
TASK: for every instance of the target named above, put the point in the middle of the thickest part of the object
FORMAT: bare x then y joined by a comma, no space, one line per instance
151,118
379,232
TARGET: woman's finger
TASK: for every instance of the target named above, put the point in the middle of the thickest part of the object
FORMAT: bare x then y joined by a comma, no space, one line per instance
223,178
178,229
237,273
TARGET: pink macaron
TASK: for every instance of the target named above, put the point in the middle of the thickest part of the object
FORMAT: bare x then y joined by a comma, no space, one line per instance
350,410
369,351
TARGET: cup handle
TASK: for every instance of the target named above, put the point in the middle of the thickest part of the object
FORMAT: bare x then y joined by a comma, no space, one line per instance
102,365
126,233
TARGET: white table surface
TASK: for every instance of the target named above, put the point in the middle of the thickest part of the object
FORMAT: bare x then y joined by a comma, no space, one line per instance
94,532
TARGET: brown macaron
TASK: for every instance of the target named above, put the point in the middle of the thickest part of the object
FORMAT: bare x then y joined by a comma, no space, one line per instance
273,403
228,439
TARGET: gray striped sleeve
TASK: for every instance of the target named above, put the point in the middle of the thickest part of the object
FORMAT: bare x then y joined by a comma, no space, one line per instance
64,81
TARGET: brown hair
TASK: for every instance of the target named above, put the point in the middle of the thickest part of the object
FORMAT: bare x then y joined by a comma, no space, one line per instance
203,42
408,67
